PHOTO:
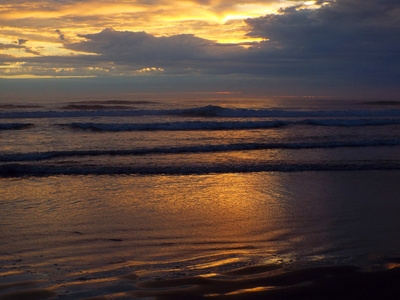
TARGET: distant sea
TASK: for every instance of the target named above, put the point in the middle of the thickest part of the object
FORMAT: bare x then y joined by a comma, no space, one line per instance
234,199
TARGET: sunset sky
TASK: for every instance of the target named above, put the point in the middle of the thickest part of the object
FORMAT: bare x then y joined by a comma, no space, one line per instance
251,48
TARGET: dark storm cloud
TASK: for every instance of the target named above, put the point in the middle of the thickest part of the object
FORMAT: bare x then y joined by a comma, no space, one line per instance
143,49
345,45
344,27
349,39
342,40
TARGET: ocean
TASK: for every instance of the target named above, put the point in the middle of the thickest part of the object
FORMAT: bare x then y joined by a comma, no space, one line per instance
213,199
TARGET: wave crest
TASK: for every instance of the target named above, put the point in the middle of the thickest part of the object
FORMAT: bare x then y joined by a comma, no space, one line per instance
15,126
36,156
225,125
205,111
18,170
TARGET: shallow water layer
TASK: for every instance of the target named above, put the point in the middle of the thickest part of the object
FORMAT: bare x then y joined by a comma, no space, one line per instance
241,199
86,236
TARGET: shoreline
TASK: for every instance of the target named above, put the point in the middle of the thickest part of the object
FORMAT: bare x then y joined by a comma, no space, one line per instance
325,282
331,282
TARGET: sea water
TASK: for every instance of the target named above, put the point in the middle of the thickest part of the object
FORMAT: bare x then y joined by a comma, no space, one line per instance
92,191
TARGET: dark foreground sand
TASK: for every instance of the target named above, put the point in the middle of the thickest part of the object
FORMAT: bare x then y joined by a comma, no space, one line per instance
257,282
336,282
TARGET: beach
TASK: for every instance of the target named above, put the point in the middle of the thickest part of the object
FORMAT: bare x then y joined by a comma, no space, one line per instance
130,236
199,149
172,201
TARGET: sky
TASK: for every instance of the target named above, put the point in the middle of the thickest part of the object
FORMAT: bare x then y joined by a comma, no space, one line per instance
232,48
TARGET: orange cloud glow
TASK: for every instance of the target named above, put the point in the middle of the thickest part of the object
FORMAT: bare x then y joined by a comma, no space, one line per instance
210,20
47,26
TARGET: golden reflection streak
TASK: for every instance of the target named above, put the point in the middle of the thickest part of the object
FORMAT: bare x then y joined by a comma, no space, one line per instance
211,264
251,290
82,282
209,275
13,272
392,265
225,203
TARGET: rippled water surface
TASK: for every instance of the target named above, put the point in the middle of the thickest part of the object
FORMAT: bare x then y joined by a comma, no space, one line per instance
99,200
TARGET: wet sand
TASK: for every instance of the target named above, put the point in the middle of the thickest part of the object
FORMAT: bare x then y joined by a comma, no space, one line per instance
330,282
312,235
254,282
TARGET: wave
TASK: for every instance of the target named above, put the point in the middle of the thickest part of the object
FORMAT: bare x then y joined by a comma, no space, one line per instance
205,111
175,126
236,125
114,102
18,170
209,125
18,106
105,105
15,126
351,122
37,156
94,107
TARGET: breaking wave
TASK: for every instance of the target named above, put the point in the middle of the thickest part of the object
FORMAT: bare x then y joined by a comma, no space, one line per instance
351,122
37,156
175,126
17,170
236,125
205,111
15,126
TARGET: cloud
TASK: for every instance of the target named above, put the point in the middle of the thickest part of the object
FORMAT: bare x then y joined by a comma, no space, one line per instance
10,46
158,17
4,46
142,50
344,27
22,41
341,40
346,39
60,34
342,44
5,58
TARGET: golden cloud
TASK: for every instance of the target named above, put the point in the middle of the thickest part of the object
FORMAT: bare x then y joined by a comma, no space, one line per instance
213,19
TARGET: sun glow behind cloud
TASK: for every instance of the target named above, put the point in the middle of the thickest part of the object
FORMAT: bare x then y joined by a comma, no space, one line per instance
264,44
47,26
215,20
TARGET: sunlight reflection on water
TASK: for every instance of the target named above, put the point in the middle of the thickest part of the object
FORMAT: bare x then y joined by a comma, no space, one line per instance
104,226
